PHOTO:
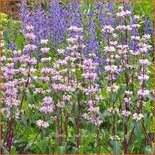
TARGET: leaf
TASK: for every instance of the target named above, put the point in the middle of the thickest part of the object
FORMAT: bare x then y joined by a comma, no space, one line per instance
120,92
138,132
116,147
148,150
24,120
81,149
28,146
62,149
13,150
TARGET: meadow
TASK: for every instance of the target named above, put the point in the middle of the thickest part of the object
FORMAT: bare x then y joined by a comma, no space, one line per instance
77,78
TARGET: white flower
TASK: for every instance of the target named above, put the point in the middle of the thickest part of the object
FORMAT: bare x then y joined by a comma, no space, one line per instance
109,49
143,77
45,125
75,29
60,51
124,27
135,26
128,93
136,17
137,38
43,41
112,88
45,59
71,40
146,37
137,117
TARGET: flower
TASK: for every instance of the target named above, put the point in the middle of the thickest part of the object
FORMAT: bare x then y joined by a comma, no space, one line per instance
126,113
144,62
42,124
143,77
108,29
45,50
61,51
112,88
75,29
111,68
47,101
29,27
143,93
44,41
30,36
30,47
137,117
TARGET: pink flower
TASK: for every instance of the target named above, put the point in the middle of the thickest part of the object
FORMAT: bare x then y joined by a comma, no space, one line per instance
95,120
30,47
108,29
29,27
126,113
46,109
30,36
85,116
45,50
47,101
143,93
42,124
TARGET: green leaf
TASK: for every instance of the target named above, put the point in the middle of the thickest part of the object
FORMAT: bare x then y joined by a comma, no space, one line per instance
13,150
28,146
24,120
116,147
120,92
62,149
148,150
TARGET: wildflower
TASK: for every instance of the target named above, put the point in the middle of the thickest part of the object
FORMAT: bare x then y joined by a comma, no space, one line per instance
30,47
42,124
85,116
108,29
137,117
144,62
29,27
143,93
45,50
144,77
109,49
75,29
46,109
111,68
126,113
112,88
61,51
44,41
47,101
30,36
